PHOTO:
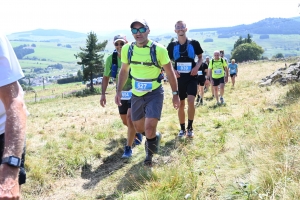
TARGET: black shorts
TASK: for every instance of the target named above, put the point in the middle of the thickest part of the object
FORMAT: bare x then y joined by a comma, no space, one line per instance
218,81
201,80
234,74
126,104
22,173
187,87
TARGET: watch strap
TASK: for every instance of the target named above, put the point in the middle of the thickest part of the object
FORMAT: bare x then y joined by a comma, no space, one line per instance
12,161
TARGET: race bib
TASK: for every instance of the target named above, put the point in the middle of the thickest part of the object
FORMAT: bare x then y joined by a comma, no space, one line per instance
126,95
232,71
184,67
143,86
200,73
218,71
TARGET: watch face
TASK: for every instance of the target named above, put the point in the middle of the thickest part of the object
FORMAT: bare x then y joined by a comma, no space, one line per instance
14,161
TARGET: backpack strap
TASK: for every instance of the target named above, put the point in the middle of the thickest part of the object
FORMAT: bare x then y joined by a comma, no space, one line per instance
115,58
152,55
189,48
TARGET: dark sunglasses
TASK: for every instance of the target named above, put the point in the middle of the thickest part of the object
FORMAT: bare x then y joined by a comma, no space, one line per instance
136,30
119,44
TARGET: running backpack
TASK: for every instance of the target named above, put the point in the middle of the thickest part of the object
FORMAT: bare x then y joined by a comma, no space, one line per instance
153,60
190,50
212,63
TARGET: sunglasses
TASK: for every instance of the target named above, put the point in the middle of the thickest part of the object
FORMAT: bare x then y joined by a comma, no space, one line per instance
136,30
119,44
180,27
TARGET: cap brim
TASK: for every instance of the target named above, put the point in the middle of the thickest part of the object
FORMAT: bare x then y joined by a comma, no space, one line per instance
119,40
138,21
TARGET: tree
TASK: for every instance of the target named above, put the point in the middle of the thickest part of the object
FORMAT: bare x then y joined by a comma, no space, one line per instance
247,51
91,58
279,55
79,75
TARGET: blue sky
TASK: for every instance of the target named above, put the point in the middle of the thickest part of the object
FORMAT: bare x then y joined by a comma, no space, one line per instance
104,16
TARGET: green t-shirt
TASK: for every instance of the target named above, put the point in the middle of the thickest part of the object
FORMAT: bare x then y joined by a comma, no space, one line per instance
218,68
139,71
107,71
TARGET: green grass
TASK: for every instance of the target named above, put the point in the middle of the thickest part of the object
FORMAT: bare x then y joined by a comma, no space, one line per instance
248,149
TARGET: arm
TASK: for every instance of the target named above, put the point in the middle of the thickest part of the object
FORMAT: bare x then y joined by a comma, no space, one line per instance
15,125
173,83
104,85
236,70
194,71
123,76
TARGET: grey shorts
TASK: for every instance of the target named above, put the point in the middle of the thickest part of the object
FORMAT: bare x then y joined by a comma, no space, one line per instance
148,106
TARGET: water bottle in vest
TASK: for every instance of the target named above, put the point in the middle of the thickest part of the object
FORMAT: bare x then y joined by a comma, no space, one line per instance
114,70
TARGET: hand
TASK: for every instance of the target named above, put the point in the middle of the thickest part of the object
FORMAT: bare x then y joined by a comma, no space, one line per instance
9,184
118,99
176,101
103,100
177,74
194,71
226,79
207,83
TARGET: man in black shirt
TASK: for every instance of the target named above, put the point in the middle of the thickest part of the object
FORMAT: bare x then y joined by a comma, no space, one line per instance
183,53
202,80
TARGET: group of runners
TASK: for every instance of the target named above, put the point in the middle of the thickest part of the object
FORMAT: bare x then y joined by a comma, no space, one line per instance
139,91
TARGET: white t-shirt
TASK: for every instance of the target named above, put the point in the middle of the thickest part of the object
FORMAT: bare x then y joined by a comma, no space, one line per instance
10,71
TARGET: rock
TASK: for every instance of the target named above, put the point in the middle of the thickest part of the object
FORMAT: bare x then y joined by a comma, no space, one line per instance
283,75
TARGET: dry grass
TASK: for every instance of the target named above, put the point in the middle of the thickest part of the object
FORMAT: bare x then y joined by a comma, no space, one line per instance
248,149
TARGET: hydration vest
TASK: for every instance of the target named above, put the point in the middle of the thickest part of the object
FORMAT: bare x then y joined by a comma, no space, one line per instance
153,62
190,50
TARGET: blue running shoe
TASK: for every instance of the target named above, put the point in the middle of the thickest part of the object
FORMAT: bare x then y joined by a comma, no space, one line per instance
127,152
181,133
190,133
222,100
138,139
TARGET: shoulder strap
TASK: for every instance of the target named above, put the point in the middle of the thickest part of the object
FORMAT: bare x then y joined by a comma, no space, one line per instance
153,54
115,58
130,52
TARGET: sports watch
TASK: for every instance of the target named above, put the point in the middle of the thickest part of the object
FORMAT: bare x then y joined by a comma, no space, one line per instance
12,161
175,93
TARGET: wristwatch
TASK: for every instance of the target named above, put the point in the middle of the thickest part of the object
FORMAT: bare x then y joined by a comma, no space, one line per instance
175,93
12,161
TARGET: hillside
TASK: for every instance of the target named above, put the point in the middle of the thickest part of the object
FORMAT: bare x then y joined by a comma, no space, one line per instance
265,26
248,149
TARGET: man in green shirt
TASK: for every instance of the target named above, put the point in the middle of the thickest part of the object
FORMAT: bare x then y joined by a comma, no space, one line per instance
147,92
112,66
217,69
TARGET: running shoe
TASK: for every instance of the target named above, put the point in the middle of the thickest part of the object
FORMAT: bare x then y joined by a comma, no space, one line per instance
222,100
158,139
201,101
127,152
190,133
198,99
138,138
181,133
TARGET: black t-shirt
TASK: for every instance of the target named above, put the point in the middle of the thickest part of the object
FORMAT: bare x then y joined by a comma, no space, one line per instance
202,68
184,53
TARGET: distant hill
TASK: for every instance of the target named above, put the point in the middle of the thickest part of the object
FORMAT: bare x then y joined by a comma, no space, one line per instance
49,32
266,26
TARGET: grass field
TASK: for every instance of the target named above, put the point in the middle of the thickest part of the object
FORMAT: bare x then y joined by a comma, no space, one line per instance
247,149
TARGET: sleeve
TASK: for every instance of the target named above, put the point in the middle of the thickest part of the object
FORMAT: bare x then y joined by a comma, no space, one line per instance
10,69
108,63
163,57
197,48
170,50
124,53
210,65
